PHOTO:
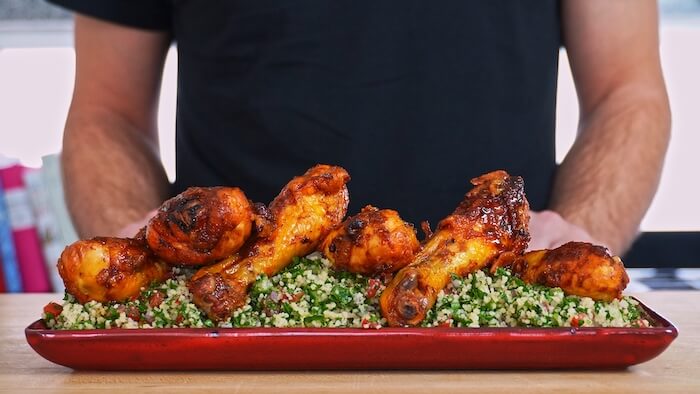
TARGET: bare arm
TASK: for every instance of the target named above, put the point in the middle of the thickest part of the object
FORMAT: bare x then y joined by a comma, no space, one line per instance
111,164
608,179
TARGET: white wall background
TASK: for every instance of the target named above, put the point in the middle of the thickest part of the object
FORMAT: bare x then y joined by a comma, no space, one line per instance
37,69
675,206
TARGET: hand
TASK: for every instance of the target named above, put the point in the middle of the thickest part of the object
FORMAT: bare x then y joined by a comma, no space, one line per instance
549,230
131,229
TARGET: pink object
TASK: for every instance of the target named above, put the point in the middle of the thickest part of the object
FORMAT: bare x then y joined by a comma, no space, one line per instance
3,288
345,348
35,278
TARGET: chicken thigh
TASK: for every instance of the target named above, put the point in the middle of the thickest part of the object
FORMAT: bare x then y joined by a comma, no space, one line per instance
200,225
578,268
109,269
372,242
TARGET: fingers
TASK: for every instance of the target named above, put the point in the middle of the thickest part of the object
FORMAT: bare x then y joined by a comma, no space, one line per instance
549,230
131,229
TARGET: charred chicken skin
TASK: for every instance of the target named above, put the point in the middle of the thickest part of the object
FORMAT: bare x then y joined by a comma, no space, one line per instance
295,223
200,225
489,223
372,242
578,268
109,269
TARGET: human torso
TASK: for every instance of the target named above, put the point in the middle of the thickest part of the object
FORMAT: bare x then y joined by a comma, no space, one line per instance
413,98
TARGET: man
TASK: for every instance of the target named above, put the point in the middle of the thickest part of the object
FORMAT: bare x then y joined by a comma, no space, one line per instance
413,98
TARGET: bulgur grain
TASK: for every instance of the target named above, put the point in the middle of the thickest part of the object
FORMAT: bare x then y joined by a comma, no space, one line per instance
309,293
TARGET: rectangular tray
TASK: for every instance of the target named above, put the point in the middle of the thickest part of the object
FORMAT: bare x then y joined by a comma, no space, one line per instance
356,349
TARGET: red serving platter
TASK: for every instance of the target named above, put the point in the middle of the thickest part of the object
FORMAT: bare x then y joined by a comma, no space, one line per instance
344,348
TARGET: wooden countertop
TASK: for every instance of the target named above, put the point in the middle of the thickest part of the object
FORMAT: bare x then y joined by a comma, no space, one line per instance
675,370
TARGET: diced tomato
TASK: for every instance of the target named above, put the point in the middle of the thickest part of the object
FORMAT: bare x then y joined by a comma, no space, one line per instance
297,297
373,286
133,313
576,321
368,324
53,308
156,298
179,318
445,324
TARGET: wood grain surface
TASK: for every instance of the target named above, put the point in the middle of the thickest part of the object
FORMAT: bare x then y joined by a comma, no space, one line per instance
677,370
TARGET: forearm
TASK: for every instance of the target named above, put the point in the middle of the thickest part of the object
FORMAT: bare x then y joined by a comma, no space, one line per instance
112,172
608,179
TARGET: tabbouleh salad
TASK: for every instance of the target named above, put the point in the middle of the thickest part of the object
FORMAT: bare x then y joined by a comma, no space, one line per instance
310,293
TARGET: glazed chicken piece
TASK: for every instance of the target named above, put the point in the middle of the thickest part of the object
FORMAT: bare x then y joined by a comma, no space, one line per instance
372,242
109,269
578,268
200,225
295,223
489,224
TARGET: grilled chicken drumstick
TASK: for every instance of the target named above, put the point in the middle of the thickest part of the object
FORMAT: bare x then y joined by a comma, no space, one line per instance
372,242
491,221
109,269
298,219
200,225
578,268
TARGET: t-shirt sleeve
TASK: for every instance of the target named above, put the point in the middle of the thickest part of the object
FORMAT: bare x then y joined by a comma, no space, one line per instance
142,14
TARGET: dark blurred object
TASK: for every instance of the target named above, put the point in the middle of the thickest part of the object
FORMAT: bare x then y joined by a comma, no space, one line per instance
665,249
668,279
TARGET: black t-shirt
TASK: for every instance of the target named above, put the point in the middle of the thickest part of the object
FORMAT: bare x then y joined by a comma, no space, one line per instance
413,98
